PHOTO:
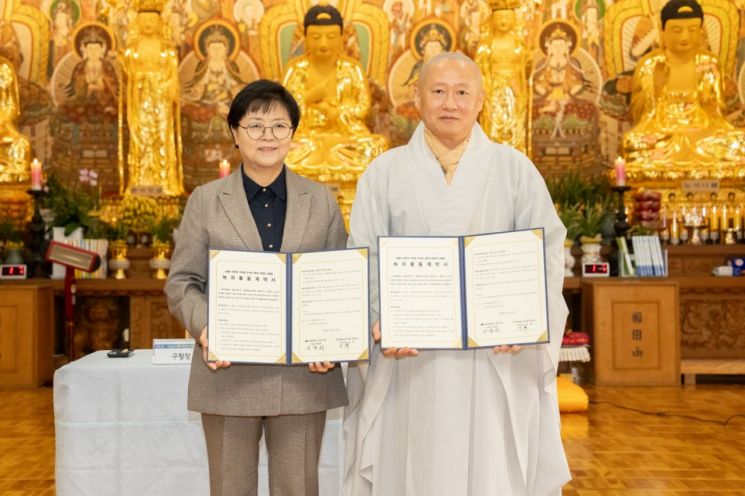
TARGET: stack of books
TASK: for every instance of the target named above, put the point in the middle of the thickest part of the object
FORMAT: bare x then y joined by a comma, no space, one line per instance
648,258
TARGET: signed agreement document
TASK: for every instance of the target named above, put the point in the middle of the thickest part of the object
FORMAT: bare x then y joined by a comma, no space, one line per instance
288,308
463,292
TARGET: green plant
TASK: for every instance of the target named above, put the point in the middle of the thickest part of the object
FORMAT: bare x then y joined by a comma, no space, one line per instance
598,192
575,189
96,228
162,229
570,217
116,231
71,206
9,232
583,202
568,189
640,230
591,220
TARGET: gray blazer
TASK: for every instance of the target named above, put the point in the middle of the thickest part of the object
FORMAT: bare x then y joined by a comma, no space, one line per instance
217,215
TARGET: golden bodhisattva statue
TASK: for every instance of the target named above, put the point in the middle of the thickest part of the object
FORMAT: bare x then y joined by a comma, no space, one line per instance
332,142
153,162
677,107
15,148
502,57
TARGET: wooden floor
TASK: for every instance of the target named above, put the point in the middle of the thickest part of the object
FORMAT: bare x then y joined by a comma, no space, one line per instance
612,451
26,443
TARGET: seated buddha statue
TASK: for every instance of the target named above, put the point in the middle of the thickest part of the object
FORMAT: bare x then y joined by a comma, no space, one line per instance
677,106
502,58
332,142
15,148
153,108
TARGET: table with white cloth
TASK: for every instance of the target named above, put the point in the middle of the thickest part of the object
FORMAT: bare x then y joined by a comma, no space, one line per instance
122,428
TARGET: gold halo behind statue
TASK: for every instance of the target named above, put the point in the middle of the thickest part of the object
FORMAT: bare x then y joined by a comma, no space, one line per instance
217,30
93,32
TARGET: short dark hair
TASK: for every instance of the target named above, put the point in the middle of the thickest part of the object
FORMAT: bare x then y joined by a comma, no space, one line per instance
681,9
323,15
260,96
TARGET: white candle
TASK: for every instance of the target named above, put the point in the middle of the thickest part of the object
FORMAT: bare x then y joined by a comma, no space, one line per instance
36,175
725,219
224,168
674,228
738,219
620,166
713,219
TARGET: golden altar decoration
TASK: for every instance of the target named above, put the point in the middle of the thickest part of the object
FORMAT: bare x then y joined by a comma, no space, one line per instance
333,143
677,103
160,262
118,263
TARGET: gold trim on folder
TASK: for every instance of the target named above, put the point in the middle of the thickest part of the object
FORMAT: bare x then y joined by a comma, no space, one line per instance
364,252
282,359
282,257
538,233
212,356
364,356
467,240
472,343
458,344
543,338
214,253
296,359
296,257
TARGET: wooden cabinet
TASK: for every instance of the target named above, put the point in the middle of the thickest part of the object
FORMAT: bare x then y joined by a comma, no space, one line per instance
104,308
712,317
26,327
635,331
150,319
147,314
698,260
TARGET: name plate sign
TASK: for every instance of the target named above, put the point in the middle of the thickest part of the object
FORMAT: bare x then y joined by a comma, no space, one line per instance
172,351
700,186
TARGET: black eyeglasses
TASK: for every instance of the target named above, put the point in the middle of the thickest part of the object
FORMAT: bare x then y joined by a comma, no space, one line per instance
256,130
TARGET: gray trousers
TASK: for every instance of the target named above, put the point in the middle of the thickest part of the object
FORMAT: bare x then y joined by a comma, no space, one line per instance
293,443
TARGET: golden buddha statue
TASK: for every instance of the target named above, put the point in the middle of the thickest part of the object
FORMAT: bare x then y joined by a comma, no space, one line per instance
15,148
332,142
153,110
502,57
677,106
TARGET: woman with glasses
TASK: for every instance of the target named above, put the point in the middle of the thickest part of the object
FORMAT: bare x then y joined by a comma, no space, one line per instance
260,206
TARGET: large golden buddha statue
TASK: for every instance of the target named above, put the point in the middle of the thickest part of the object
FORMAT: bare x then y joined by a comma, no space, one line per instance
677,106
153,112
15,148
501,55
332,142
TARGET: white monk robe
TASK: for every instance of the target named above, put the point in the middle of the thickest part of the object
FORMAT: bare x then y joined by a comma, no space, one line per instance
456,423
